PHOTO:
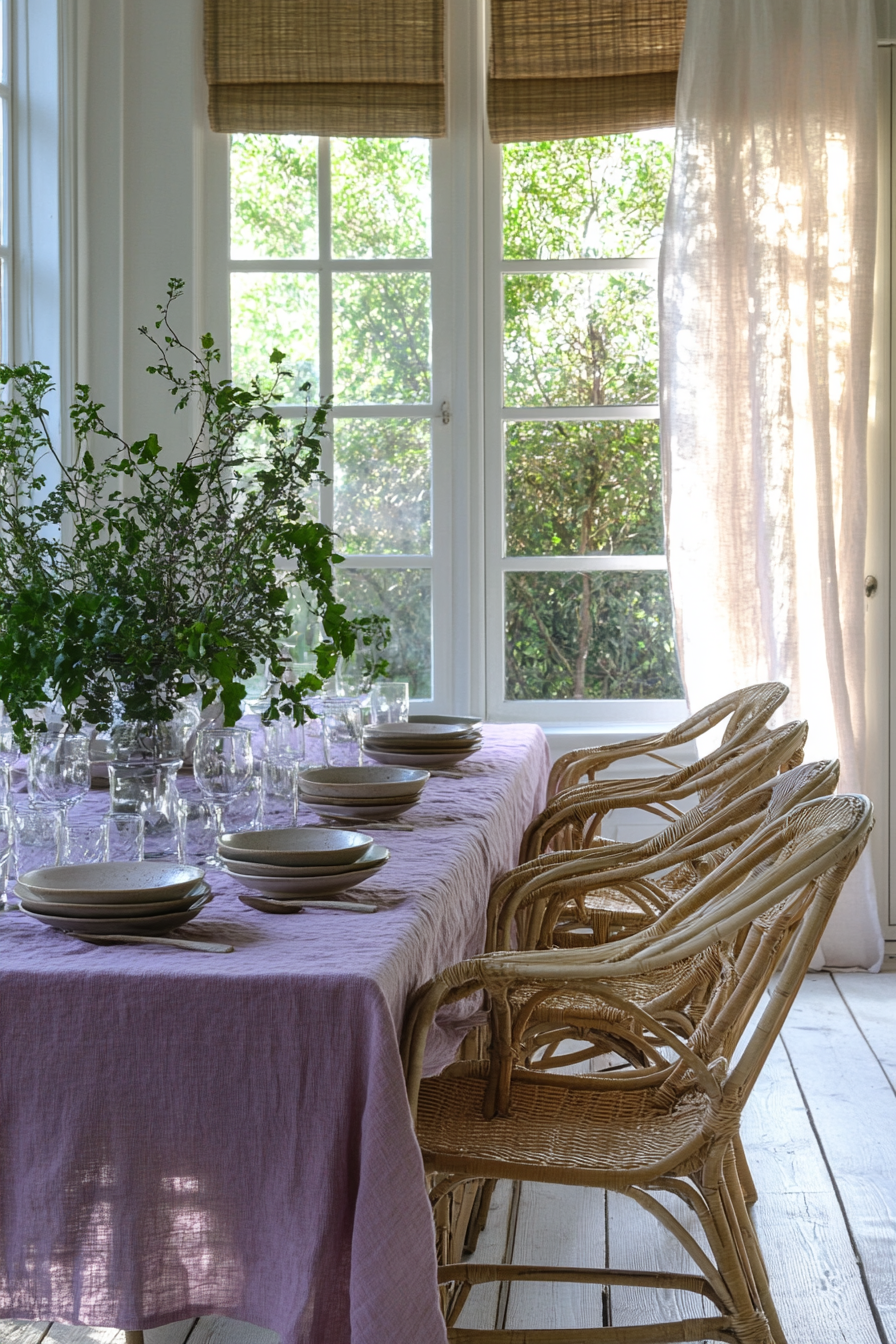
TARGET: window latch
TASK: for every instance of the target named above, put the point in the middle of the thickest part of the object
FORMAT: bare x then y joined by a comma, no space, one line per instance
445,408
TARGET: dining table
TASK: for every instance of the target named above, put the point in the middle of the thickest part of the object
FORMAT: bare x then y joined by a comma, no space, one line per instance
185,1134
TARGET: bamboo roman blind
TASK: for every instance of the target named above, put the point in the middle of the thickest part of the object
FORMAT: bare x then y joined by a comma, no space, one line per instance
561,68
326,67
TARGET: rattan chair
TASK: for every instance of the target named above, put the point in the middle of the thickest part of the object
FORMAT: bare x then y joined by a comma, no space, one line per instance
550,901
572,820
748,711
668,1125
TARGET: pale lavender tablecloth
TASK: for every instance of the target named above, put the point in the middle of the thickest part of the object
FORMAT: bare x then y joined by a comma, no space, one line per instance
184,1134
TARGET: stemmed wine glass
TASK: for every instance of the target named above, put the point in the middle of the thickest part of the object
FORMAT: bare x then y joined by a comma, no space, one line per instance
222,767
60,766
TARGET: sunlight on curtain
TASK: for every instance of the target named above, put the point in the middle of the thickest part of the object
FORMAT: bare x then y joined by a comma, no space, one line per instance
766,286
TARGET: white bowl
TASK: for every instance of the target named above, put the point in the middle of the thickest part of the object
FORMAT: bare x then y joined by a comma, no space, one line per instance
442,760
296,846
44,905
375,857
117,883
364,782
306,886
133,924
415,750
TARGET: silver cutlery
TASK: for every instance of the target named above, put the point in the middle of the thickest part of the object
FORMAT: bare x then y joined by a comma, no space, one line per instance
356,907
185,944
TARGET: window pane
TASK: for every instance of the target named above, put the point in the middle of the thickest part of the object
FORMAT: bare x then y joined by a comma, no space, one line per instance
603,636
381,325
583,489
273,193
268,311
382,486
580,340
405,596
598,197
255,446
381,198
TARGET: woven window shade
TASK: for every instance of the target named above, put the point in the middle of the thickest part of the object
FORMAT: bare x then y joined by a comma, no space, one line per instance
326,67
561,68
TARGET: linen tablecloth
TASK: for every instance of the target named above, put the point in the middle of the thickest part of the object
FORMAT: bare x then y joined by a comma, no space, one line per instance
185,1134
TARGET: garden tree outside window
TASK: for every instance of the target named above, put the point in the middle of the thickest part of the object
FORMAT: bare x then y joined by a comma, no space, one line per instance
341,258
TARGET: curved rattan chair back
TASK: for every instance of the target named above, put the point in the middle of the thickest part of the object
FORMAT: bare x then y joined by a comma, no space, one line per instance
713,827
748,712
573,819
783,880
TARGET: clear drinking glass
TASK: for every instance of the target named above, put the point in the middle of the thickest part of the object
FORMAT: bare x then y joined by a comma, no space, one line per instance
37,836
279,789
223,769
84,842
60,766
125,832
243,813
6,839
284,739
342,730
389,702
9,754
314,734
198,829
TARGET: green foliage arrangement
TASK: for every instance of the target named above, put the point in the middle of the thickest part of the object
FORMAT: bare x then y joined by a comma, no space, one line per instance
128,576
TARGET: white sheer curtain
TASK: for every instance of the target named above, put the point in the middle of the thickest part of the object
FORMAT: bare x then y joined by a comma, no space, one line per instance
766,284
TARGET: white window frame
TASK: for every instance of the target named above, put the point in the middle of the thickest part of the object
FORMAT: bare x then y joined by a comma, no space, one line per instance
467,563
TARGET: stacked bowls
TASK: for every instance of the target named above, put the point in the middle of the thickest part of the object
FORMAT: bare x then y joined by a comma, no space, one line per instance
428,745
300,861
90,898
361,793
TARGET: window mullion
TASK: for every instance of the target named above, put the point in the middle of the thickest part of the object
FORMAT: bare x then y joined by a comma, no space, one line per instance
325,301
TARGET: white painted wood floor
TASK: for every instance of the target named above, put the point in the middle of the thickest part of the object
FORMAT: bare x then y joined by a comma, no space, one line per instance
820,1133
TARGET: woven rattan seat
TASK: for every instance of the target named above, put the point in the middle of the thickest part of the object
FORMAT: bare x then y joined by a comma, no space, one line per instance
669,1122
558,1134
747,710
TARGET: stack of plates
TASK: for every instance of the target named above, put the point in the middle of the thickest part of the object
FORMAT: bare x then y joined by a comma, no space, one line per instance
114,897
299,861
429,745
361,792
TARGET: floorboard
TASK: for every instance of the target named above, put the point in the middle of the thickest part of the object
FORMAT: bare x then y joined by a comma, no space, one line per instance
815,1279
871,999
558,1225
494,1248
853,1109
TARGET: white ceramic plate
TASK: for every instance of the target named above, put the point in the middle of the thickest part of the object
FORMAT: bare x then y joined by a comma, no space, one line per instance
442,760
311,796
364,782
117,883
104,911
296,846
144,924
445,718
375,857
415,750
306,886
334,810
417,732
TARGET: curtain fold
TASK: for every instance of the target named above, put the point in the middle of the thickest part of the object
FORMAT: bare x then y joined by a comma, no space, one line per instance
326,67
766,292
584,67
